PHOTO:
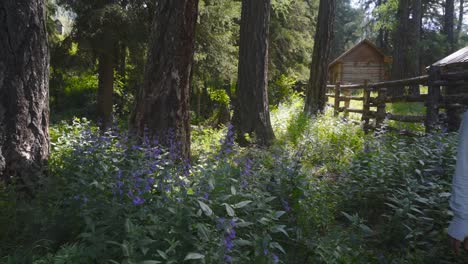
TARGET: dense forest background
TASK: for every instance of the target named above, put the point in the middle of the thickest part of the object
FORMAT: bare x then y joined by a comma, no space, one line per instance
197,131
120,30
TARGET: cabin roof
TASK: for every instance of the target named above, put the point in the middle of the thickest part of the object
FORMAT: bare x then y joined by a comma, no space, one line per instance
362,42
458,57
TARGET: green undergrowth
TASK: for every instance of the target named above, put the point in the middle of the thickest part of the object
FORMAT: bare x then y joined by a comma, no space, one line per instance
324,192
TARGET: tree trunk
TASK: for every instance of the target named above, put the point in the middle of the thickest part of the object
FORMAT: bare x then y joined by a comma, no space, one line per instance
163,102
252,113
24,79
400,38
461,11
315,94
105,89
449,19
382,37
414,54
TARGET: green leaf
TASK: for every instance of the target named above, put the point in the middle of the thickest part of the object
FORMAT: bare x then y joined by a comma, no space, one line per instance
162,254
366,229
241,204
233,190
128,226
206,209
203,231
279,228
150,262
418,172
144,250
125,250
244,224
349,217
242,242
445,194
277,246
278,214
194,256
229,210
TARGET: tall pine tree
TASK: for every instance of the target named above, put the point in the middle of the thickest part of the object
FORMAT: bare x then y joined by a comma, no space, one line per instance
162,106
252,115
316,90
24,78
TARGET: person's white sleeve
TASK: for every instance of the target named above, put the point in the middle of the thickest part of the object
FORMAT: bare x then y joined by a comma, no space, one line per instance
458,229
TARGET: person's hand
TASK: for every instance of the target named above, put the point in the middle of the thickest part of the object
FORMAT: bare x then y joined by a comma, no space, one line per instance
456,244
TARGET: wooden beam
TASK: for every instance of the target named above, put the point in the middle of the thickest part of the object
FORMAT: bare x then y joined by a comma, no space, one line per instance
405,82
407,99
406,118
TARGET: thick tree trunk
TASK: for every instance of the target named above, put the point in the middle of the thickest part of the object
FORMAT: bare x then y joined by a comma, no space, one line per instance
163,102
105,89
252,115
449,19
315,95
24,79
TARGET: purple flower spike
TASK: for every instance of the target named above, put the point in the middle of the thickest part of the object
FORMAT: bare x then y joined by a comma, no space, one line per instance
228,244
138,200
275,258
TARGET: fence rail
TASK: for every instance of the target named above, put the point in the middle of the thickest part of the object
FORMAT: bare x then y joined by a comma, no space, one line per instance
433,100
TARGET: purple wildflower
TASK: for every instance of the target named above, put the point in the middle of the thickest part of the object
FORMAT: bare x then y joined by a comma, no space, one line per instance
248,167
286,206
138,200
228,244
275,258
227,142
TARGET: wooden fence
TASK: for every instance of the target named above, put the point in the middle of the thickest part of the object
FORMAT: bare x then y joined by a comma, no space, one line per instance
433,100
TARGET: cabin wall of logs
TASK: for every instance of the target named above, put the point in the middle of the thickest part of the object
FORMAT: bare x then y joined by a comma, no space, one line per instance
377,95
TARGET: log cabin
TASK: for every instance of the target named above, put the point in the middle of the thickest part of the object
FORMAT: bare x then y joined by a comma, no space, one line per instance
362,62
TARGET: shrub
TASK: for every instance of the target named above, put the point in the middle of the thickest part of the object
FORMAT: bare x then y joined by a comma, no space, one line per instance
128,202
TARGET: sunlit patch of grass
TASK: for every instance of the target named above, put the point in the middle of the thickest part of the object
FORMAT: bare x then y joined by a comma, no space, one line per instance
282,115
205,140
414,109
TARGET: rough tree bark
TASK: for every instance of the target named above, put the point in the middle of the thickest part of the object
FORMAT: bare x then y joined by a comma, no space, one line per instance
251,114
316,90
163,102
24,79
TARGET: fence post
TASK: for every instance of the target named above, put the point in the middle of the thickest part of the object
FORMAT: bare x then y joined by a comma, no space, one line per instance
381,105
432,103
366,107
347,102
337,98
